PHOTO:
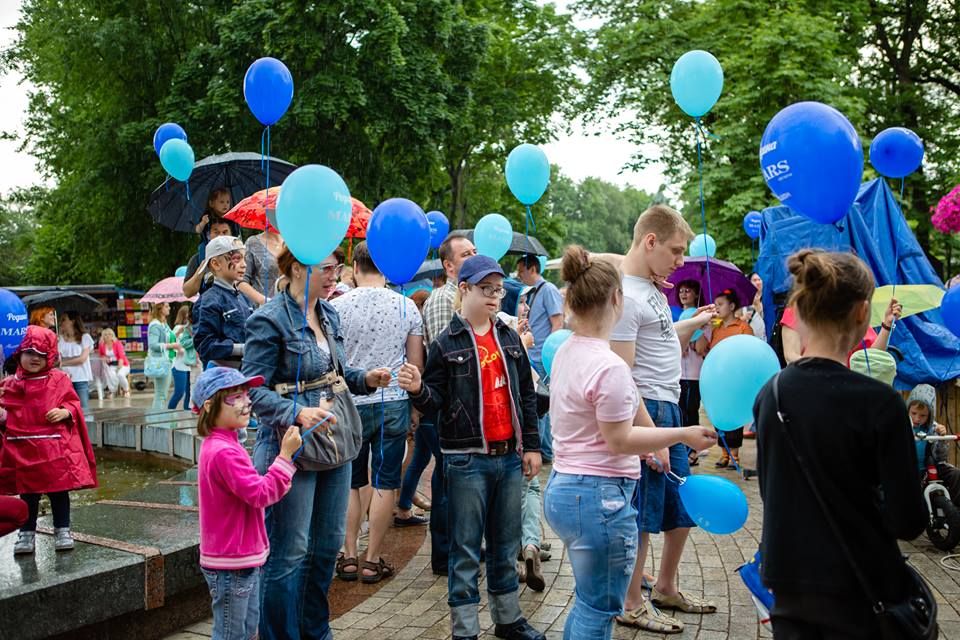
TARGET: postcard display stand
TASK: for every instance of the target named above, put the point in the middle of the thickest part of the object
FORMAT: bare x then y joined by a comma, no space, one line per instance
132,324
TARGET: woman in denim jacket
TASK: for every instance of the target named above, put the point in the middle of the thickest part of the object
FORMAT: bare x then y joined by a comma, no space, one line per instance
306,528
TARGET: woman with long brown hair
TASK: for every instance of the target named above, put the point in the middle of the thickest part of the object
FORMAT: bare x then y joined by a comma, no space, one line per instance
75,346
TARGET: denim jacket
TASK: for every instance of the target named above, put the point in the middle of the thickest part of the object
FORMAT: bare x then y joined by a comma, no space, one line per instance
273,344
452,387
221,314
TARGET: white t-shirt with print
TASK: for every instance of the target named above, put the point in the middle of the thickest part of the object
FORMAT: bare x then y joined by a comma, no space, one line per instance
647,320
80,372
375,323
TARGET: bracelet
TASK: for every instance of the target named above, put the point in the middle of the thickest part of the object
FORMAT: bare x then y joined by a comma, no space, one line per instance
887,327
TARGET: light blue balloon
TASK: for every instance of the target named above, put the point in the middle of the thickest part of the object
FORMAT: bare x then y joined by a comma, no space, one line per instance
177,158
715,504
686,314
732,375
550,347
492,236
313,212
528,173
703,245
181,272
543,263
696,82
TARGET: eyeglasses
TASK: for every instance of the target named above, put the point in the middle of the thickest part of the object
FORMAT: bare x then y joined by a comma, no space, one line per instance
329,269
491,291
241,397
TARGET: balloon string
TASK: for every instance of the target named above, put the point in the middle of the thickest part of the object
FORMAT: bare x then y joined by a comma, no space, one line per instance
723,443
383,414
303,333
896,252
305,434
266,221
703,208
670,474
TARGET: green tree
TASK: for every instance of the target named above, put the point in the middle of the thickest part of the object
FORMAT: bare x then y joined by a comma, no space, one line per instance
17,233
599,215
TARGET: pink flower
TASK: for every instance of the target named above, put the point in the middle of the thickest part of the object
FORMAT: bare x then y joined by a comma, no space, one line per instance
946,219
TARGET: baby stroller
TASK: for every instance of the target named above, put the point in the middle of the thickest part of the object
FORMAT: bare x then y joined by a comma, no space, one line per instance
943,530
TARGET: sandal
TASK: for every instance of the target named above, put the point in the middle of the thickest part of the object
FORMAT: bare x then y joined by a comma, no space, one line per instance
723,462
681,602
383,570
342,564
648,618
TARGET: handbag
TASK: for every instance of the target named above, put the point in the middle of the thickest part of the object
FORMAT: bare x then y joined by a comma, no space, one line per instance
156,366
914,618
332,445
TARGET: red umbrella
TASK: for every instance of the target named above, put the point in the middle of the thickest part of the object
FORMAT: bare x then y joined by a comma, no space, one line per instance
359,219
251,212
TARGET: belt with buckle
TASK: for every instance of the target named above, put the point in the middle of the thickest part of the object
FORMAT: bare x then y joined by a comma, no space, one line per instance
501,447
330,379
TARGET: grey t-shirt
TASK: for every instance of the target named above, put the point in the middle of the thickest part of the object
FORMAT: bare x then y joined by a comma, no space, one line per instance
647,321
375,323
262,268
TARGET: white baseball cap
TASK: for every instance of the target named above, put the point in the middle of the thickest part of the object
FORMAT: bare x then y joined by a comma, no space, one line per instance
221,245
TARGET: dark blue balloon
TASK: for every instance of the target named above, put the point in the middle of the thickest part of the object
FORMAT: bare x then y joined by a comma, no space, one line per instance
812,160
13,322
896,152
439,228
950,310
167,131
398,238
268,90
751,224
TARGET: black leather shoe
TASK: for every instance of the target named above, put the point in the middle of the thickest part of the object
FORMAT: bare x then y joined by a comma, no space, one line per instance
519,630
440,571
464,637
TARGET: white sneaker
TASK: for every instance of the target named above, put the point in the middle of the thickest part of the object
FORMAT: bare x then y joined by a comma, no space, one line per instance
26,541
63,541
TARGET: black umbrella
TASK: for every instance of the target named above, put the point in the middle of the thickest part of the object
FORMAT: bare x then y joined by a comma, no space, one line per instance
521,245
429,270
64,300
241,173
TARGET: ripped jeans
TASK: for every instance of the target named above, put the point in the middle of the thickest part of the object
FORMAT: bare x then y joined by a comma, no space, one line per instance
596,519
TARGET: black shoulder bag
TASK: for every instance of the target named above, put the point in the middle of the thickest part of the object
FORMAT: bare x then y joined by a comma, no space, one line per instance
543,382
914,618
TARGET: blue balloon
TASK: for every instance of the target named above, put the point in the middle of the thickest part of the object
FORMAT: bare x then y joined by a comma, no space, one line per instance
550,346
732,375
950,310
181,272
686,314
177,158
439,228
268,90
543,263
13,322
528,173
751,224
398,237
703,245
493,236
167,131
696,82
313,212
811,158
715,504
896,152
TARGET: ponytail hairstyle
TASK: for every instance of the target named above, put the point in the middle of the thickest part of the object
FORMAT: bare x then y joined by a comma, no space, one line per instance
590,282
827,290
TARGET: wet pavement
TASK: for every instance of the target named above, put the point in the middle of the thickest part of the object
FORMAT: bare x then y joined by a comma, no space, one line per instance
413,604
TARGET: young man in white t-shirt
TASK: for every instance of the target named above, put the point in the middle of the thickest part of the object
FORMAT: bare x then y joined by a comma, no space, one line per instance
648,340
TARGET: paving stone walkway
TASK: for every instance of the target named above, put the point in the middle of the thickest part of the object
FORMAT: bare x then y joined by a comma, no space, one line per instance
413,604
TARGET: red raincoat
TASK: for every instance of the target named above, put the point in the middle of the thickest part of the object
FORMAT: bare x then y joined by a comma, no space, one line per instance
37,456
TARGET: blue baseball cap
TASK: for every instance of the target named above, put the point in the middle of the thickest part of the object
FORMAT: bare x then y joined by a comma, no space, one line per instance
216,378
476,268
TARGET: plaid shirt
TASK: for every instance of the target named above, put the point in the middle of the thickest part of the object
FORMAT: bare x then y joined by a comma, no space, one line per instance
438,310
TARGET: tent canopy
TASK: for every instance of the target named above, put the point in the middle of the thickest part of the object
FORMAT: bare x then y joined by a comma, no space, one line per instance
877,232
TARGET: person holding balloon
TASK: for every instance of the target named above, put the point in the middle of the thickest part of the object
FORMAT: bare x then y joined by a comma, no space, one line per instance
648,340
599,429
478,379
812,420
688,292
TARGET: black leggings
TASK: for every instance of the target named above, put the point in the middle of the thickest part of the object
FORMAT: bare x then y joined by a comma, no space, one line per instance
59,504
690,402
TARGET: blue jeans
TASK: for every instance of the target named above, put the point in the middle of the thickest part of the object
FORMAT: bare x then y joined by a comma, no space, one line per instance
546,436
595,519
306,530
385,427
483,495
83,390
181,389
425,445
530,513
439,527
236,602
657,499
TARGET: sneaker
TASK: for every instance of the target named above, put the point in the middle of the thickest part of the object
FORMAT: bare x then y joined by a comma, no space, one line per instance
26,541
63,541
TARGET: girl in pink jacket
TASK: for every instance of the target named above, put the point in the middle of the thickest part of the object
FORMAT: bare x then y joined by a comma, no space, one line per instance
233,496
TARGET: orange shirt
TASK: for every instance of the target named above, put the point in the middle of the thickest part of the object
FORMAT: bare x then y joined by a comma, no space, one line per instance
497,414
738,328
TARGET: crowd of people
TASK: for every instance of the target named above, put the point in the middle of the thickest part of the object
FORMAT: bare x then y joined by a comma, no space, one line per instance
338,370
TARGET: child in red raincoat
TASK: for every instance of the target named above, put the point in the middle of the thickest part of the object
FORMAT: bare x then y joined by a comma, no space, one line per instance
45,445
